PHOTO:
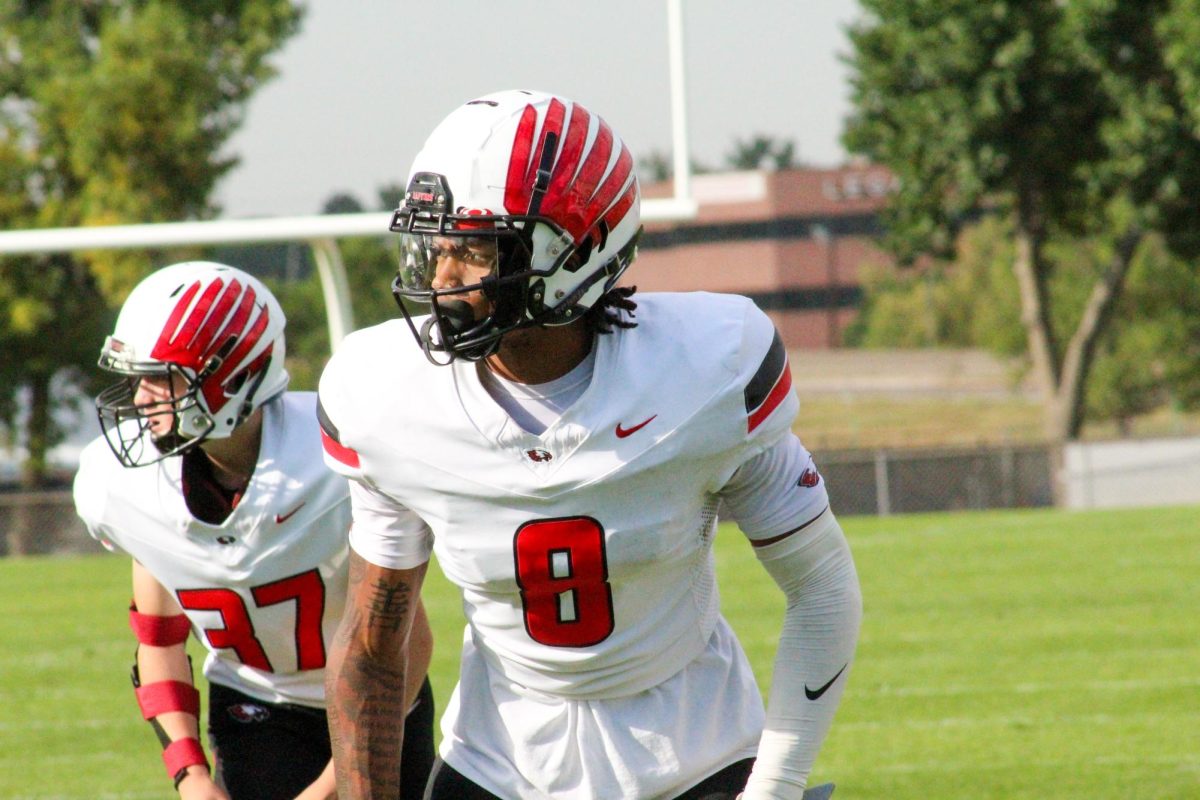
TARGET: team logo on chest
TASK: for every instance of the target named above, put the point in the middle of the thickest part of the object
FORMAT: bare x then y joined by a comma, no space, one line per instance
538,455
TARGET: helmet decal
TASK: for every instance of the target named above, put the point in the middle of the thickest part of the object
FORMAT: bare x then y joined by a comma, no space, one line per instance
218,388
209,328
214,335
571,200
189,342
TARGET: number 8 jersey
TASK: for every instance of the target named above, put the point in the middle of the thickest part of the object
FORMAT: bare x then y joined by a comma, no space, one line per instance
265,588
583,553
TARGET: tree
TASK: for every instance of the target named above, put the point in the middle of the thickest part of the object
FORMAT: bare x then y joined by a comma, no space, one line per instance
658,167
342,203
110,112
1072,119
1147,356
761,152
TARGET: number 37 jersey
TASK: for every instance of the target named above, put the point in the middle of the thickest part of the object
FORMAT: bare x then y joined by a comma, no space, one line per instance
583,553
265,588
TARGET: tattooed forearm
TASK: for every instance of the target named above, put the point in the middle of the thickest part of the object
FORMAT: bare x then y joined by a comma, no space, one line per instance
349,626
366,722
357,570
390,603
365,680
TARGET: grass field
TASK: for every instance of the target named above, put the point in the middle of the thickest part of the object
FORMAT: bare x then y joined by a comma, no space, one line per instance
1014,655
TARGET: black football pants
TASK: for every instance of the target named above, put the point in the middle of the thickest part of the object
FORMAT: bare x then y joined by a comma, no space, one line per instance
270,751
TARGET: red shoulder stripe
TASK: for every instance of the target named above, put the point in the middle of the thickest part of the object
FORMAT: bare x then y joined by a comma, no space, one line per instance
339,451
783,385
331,439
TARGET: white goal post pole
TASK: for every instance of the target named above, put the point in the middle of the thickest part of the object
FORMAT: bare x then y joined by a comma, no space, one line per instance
682,166
335,288
320,232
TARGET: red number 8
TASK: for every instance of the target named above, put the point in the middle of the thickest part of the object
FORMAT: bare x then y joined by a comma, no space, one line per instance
563,575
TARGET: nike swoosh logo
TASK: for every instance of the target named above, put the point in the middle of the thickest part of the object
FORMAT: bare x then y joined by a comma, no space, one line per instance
815,694
623,432
282,518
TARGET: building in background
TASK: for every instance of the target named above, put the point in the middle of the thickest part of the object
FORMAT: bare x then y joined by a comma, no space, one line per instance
793,240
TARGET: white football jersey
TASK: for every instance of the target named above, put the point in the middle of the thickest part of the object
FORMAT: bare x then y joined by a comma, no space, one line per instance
264,590
583,553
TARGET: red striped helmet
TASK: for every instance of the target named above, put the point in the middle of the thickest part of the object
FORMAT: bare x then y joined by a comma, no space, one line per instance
214,330
546,185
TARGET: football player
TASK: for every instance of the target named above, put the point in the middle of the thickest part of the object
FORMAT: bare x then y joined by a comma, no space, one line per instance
563,449
209,475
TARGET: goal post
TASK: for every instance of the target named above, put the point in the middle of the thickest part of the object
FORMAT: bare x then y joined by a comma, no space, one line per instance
320,232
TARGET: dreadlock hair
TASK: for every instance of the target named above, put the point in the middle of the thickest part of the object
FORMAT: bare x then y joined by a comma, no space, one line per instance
614,308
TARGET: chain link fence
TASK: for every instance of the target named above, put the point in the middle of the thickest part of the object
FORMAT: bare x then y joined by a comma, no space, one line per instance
860,482
949,479
41,523
868,482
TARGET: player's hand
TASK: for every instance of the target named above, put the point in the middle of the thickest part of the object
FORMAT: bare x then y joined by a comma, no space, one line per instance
199,785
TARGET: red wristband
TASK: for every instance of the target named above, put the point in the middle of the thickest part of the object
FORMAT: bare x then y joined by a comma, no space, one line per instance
181,754
163,696
159,631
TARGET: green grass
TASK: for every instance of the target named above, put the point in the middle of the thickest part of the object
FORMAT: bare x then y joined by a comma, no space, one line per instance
1004,655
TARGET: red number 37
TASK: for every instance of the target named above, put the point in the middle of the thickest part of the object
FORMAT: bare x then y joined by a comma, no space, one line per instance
306,590
562,572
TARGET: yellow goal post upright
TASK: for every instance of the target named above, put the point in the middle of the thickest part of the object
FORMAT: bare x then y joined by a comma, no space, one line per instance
321,232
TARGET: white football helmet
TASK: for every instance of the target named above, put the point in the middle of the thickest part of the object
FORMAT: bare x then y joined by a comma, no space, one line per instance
213,329
553,189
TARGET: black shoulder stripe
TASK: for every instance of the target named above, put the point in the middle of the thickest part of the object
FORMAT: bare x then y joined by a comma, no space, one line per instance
326,423
766,375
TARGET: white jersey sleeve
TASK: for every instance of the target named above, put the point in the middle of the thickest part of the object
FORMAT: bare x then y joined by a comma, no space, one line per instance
776,491
775,486
339,456
762,383
386,533
90,497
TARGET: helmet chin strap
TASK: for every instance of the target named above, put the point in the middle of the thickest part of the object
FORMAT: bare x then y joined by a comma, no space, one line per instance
457,316
427,344
452,317
170,443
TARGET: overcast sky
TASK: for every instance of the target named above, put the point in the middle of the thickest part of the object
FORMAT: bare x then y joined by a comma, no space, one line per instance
365,81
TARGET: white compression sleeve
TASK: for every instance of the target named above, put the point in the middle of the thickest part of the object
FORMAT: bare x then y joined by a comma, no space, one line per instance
814,568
